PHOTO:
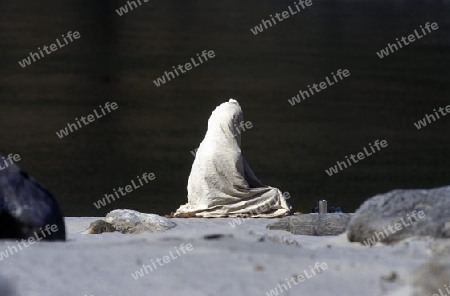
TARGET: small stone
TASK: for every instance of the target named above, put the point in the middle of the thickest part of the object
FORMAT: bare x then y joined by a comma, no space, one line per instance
100,226
258,267
313,224
390,277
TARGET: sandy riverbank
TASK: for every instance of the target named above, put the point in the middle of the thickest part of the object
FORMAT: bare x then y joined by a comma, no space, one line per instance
222,260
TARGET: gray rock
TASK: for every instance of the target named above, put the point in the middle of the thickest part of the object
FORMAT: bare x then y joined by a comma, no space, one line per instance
100,226
415,213
313,224
129,221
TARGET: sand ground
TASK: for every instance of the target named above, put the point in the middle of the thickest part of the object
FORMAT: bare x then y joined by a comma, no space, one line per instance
222,260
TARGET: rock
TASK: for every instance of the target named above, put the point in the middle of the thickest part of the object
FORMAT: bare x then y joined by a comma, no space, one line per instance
100,226
391,277
401,214
129,221
27,208
313,224
281,239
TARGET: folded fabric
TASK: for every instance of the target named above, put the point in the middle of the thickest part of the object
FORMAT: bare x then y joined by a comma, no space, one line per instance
221,183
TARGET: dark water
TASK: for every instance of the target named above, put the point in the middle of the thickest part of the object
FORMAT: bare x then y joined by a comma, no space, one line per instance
154,129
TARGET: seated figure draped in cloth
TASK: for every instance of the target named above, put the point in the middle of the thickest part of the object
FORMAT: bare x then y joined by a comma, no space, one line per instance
221,183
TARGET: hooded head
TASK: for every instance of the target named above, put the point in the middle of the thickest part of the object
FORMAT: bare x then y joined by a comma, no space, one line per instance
225,120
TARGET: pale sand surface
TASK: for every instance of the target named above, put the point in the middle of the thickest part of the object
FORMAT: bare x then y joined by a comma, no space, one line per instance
240,263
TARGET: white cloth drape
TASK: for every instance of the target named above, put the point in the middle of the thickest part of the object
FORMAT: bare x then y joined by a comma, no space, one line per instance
221,182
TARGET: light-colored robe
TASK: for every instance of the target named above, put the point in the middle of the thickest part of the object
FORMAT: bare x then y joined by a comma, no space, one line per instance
221,182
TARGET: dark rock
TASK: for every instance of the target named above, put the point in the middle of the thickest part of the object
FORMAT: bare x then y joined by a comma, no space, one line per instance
414,212
100,226
27,207
313,224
